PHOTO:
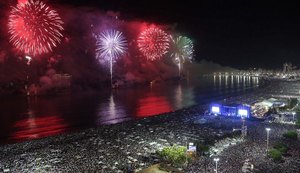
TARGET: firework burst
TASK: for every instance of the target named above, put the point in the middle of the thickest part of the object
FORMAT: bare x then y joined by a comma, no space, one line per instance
110,45
183,50
34,27
22,1
153,43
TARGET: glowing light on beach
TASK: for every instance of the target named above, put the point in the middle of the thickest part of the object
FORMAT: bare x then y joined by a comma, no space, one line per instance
34,27
110,45
153,43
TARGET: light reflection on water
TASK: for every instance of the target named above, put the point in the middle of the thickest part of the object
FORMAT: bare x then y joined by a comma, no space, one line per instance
152,105
33,127
113,110
24,118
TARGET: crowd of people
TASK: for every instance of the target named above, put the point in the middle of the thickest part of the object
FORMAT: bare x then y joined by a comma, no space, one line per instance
123,147
253,149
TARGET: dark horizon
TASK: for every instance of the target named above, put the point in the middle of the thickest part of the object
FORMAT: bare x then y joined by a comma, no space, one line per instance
238,34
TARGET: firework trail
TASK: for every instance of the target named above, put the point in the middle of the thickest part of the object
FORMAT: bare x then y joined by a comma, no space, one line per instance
110,45
183,49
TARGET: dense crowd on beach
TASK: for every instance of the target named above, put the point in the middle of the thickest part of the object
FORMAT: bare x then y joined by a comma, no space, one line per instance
253,149
131,146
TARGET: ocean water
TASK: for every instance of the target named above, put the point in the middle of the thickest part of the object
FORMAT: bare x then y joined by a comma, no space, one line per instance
26,118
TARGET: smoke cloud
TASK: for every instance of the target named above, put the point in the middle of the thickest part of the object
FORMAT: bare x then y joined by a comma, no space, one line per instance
74,62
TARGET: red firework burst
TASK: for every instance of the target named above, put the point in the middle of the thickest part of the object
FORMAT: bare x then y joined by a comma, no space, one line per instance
153,43
34,27
22,1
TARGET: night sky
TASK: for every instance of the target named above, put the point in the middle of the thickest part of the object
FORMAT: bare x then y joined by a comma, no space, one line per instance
239,33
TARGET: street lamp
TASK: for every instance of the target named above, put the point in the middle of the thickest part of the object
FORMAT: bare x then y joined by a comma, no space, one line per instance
268,130
216,160
294,113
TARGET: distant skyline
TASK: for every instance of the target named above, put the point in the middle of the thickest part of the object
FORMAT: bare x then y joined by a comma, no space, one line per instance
240,34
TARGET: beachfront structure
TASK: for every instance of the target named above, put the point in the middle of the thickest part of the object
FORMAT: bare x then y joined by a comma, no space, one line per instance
271,102
235,110
259,109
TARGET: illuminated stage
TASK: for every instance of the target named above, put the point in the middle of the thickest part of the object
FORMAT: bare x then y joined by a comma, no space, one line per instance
235,110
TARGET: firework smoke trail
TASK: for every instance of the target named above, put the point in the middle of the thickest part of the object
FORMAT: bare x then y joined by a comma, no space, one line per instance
153,43
28,58
183,50
110,45
34,28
